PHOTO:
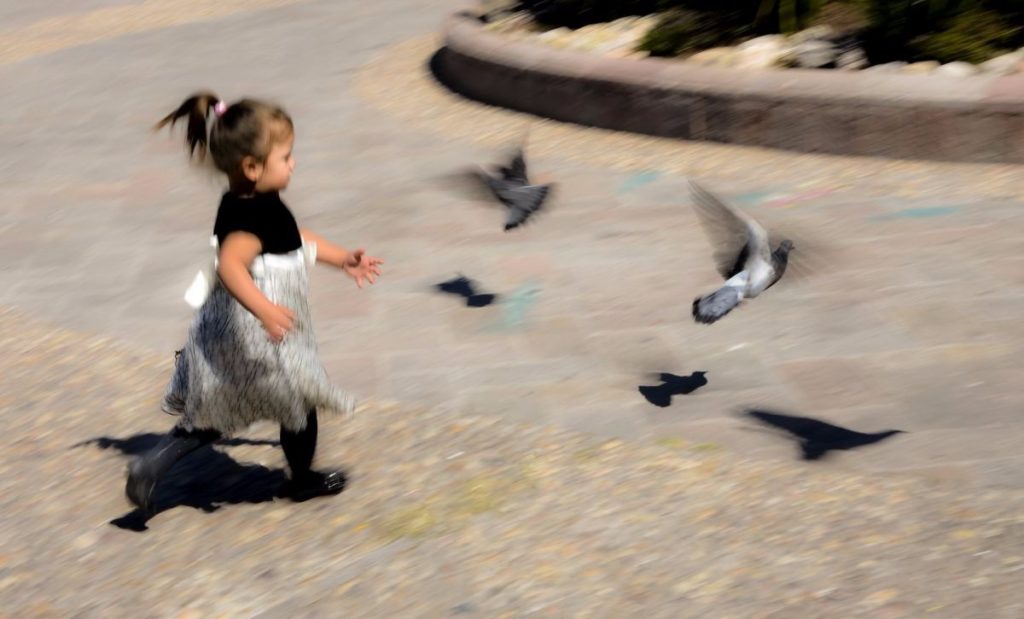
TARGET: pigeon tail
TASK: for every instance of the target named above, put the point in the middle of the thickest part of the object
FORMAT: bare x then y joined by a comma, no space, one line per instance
711,307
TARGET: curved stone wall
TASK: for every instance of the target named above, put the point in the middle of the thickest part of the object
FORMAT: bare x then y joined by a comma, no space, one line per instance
970,119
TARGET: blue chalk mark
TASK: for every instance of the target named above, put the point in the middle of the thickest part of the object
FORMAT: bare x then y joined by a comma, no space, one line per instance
757,197
514,307
639,180
919,212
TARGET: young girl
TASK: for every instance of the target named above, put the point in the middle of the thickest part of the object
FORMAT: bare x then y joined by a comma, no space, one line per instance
251,353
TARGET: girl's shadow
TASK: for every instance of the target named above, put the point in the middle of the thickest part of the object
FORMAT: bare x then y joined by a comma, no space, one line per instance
204,480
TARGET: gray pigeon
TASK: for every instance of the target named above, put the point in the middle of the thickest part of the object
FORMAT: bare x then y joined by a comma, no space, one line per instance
743,256
512,187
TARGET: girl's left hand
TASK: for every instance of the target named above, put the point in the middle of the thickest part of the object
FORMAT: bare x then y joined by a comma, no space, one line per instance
360,266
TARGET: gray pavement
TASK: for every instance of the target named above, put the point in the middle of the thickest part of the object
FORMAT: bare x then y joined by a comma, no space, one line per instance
908,319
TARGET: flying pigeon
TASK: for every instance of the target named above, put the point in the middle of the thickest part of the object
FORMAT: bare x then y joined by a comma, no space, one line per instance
465,288
817,437
743,256
513,188
661,395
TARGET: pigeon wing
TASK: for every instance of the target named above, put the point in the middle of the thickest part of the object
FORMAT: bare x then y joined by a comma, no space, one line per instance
522,201
730,231
515,172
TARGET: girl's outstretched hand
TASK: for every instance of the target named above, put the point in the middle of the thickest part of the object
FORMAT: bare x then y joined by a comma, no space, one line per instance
359,266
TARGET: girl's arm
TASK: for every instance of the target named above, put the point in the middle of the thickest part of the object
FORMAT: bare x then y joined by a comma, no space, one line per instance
326,251
356,264
236,254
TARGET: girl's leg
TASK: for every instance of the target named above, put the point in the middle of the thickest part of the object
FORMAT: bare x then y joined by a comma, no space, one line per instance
299,448
145,472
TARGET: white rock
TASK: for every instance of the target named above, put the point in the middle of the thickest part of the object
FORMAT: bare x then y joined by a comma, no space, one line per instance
814,33
957,69
625,52
888,67
638,31
852,60
761,52
714,57
551,35
622,25
1005,64
768,41
593,39
511,23
926,66
646,23
813,54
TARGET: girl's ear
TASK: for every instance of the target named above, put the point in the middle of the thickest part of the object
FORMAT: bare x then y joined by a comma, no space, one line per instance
252,168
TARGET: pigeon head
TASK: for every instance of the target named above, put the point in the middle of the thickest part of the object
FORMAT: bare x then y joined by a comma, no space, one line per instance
780,257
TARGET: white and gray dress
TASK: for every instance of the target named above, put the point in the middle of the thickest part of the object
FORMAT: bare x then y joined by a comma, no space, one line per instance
230,374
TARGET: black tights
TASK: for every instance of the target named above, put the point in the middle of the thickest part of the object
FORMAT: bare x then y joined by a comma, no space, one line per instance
298,448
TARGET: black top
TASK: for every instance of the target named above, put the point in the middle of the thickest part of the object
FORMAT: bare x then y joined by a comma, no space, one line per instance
263,215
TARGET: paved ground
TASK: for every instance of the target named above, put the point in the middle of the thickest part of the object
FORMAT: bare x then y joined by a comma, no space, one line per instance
907,317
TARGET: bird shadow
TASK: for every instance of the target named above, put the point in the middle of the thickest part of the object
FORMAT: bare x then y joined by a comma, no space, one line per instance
464,287
815,437
205,480
661,395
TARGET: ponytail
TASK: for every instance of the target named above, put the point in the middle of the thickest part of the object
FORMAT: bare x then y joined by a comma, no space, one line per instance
246,128
197,108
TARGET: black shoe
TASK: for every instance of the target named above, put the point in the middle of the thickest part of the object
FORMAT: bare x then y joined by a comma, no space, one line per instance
314,484
140,486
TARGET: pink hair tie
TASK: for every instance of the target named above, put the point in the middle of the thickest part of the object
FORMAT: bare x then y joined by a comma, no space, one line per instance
219,108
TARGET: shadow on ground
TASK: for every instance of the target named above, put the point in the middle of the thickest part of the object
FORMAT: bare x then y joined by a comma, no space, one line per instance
205,480
661,395
815,437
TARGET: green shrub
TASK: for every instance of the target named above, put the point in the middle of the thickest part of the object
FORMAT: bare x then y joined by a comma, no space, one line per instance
681,31
785,15
974,36
946,30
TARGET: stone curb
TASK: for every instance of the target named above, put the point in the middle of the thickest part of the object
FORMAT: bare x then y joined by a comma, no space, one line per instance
977,119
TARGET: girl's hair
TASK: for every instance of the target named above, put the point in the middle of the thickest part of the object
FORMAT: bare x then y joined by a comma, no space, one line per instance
246,128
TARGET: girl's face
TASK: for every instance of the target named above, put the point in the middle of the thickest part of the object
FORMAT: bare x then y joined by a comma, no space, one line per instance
275,173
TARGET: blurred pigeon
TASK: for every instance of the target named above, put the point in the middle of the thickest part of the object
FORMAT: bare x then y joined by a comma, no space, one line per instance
661,395
743,256
465,288
817,437
512,187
